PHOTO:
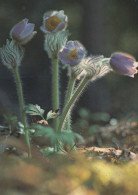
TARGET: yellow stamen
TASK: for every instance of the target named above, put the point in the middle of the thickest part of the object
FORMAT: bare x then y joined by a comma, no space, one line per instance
73,54
52,23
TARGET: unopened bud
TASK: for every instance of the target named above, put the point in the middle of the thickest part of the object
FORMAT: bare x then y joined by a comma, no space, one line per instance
124,64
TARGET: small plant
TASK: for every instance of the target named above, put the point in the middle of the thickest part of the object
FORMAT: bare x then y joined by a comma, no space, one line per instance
81,68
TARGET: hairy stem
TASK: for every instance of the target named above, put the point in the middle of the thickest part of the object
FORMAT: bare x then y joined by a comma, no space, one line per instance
21,102
68,96
71,102
55,88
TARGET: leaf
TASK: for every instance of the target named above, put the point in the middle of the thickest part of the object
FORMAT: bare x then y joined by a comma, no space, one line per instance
35,110
47,132
63,136
52,114
69,136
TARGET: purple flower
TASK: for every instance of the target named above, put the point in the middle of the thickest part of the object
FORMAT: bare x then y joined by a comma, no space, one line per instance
22,32
54,21
123,63
72,53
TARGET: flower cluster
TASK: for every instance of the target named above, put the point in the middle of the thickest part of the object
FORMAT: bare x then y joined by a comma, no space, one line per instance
94,67
71,53
74,54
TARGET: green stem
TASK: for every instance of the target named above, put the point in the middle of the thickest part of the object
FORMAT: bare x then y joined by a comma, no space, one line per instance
21,101
55,88
71,102
68,96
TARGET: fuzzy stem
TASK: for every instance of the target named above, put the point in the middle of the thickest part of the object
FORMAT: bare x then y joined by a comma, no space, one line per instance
68,96
21,102
55,88
71,102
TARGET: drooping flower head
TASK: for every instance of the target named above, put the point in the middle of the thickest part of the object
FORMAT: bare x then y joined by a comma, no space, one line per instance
22,32
124,64
72,53
54,21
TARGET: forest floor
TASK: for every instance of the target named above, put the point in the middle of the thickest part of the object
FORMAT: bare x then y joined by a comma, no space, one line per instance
95,168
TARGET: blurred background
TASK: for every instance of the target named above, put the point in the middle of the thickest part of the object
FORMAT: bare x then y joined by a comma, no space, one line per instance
103,27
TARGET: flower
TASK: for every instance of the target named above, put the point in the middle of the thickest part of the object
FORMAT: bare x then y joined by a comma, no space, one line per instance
123,63
22,32
11,54
72,53
54,21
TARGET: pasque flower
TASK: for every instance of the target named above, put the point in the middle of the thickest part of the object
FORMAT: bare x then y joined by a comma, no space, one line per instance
124,64
54,21
22,32
72,53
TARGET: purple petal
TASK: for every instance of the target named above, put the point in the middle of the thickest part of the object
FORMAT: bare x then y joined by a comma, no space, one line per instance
18,28
61,26
123,64
63,55
27,31
70,45
77,45
42,28
63,59
81,53
74,62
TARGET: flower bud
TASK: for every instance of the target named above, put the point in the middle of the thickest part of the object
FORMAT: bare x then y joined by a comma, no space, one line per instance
124,64
11,54
22,32
54,21
72,54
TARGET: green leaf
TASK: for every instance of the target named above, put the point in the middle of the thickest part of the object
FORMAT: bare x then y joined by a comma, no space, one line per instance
63,136
69,136
35,110
52,114
47,132
41,130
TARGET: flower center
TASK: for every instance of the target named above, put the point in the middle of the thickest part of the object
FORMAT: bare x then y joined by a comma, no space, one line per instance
52,23
73,54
